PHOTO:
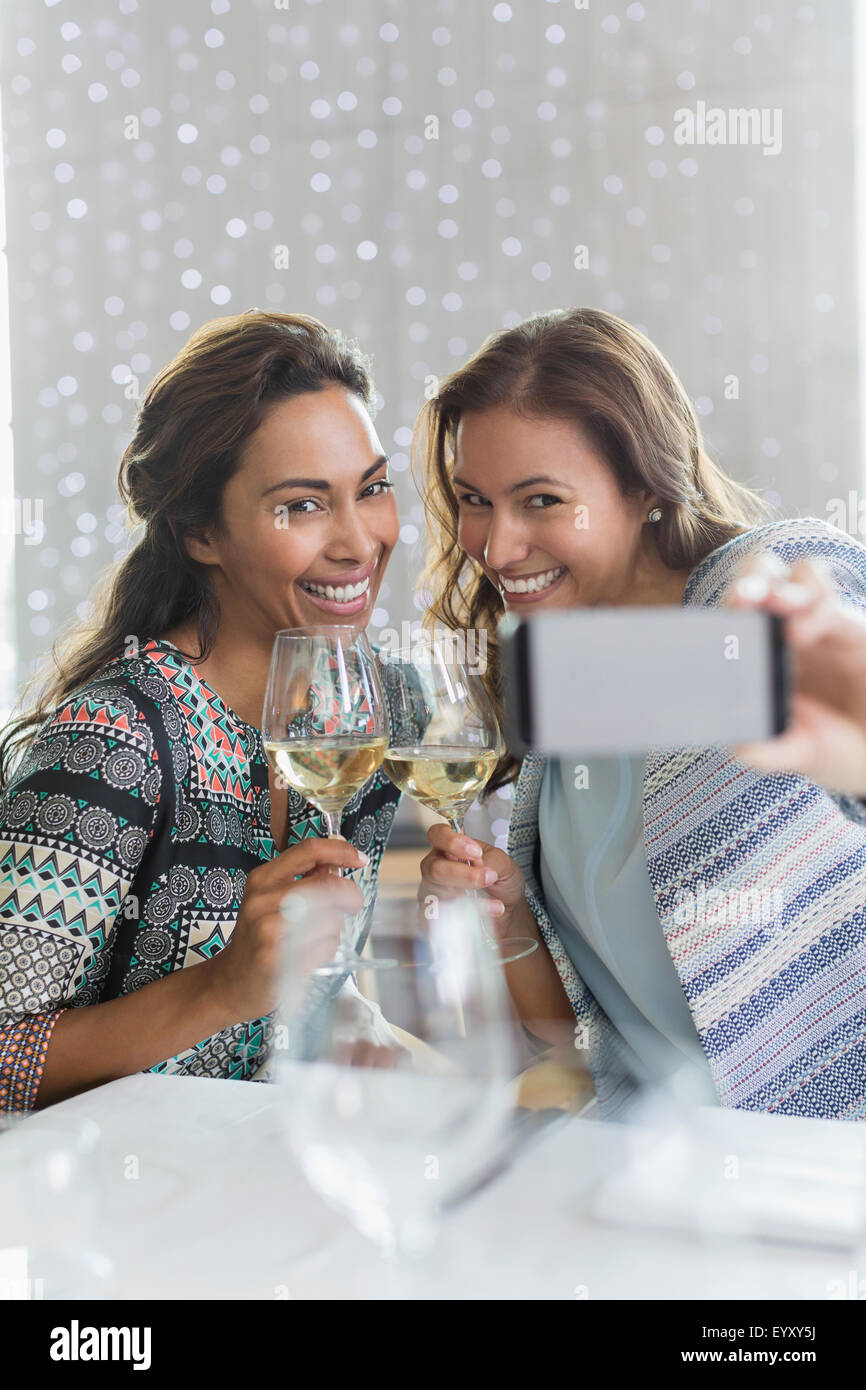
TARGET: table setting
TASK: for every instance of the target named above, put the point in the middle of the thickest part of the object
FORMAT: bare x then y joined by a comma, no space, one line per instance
189,1191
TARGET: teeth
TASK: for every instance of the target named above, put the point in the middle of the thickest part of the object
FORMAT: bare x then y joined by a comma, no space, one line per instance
339,595
531,586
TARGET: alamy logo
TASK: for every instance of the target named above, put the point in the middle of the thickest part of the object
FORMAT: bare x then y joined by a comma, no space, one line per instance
738,126
76,1343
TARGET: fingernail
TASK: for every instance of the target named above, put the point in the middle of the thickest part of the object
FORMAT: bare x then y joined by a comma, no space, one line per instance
495,907
364,858
793,593
773,563
490,875
752,586
472,848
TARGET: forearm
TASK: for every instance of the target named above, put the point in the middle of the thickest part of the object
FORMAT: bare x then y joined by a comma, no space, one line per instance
534,984
103,1042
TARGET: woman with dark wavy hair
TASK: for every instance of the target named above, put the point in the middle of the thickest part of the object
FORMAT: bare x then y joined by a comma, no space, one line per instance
696,917
138,830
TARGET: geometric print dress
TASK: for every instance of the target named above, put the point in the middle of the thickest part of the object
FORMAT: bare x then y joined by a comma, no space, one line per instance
126,836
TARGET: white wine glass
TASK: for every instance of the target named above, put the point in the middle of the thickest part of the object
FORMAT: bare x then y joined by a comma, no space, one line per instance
391,1132
444,739
324,729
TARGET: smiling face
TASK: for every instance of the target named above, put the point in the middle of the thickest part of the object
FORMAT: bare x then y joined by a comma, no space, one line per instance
308,519
541,511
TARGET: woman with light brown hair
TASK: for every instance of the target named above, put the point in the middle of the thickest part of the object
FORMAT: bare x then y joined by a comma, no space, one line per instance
139,833
564,467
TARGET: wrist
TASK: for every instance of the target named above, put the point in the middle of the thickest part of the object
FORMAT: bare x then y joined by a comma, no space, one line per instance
518,921
216,979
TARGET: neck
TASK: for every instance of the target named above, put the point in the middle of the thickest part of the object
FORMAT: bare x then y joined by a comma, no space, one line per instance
658,585
670,588
236,666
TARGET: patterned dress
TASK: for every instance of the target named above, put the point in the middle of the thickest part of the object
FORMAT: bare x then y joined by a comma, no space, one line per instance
126,836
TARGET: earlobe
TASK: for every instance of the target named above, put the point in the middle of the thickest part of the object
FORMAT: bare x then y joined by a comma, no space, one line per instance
201,550
198,546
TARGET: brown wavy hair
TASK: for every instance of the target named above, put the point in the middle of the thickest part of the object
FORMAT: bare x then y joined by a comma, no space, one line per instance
593,368
189,433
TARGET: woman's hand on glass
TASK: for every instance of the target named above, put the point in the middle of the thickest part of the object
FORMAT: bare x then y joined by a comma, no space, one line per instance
243,974
445,873
826,735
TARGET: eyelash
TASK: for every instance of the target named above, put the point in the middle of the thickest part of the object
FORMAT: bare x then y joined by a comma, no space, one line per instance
299,502
548,496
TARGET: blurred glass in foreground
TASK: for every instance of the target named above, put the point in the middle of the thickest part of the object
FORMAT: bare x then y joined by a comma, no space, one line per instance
49,1176
389,1130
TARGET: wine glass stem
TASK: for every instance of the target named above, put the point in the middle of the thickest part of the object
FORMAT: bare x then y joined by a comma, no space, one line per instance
332,821
347,933
456,823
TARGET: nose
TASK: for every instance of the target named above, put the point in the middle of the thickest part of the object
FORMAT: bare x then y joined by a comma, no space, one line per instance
351,539
505,545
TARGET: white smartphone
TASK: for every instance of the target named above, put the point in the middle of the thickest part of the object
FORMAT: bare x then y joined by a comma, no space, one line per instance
622,680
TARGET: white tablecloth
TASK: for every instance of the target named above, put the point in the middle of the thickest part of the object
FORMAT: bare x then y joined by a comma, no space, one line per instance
218,1209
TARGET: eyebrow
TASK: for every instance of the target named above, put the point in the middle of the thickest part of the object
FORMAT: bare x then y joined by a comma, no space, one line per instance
321,484
527,482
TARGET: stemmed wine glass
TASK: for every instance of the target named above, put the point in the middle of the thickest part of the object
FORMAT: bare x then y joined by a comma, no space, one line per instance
325,732
391,1134
444,739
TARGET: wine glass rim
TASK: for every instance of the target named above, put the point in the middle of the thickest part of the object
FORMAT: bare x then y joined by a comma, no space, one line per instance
414,653
315,629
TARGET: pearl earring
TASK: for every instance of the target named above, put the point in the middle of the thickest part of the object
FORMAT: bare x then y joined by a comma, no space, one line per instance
655,514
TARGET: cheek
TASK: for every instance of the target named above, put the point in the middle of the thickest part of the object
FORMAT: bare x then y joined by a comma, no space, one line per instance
600,528
286,549
571,538
471,534
389,531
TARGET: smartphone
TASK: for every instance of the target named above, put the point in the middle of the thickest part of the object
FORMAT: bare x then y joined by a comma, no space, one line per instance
622,680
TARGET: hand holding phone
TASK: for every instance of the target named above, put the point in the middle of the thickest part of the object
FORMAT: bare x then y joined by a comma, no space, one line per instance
826,737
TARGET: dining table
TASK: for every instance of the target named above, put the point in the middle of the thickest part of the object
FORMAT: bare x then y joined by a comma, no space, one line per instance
168,1187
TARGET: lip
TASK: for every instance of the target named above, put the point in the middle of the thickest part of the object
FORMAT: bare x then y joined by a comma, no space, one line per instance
512,598
330,605
347,577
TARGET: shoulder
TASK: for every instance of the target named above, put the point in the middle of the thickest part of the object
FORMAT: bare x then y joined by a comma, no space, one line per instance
120,714
107,704
98,749
795,538
126,699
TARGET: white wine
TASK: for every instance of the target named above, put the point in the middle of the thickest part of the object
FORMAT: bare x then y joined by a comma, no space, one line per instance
447,779
328,771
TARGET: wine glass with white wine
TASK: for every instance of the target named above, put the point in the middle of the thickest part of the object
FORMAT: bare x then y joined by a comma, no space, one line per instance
444,739
325,732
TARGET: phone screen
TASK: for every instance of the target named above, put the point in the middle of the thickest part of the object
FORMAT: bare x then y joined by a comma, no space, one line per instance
619,680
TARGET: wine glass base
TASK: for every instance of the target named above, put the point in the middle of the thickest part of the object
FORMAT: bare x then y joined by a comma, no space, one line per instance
349,963
515,949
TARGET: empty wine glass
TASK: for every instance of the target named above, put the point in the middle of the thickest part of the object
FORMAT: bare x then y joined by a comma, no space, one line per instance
387,1131
50,1181
444,740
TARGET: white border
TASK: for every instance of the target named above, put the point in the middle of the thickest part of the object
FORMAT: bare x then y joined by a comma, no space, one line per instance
858,55
8,644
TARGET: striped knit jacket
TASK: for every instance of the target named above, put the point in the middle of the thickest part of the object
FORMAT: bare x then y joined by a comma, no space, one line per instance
760,888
